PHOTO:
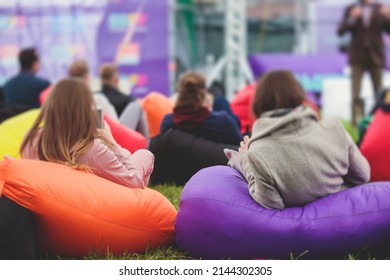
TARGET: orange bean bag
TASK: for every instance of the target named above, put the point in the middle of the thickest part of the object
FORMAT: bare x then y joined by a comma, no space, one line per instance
77,213
375,146
156,106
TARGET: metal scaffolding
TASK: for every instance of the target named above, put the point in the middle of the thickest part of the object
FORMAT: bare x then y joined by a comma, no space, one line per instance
233,65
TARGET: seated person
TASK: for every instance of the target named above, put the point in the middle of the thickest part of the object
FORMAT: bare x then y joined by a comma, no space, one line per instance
220,102
193,115
292,158
129,110
79,69
25,87
109,77
66,132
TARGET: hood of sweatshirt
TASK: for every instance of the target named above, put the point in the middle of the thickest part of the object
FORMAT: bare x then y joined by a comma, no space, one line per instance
284,122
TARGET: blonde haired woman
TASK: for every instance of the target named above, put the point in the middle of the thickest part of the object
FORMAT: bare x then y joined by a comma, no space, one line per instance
69,136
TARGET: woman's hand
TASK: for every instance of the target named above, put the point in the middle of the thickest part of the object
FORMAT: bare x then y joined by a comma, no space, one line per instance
106,133
244,144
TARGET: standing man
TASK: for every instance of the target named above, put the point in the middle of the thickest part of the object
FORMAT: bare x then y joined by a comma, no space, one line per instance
25,87
365,21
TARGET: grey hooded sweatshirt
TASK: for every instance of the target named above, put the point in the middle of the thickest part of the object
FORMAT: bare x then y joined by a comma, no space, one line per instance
292,159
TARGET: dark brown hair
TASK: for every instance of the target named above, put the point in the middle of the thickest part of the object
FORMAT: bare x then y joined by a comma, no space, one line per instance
275,90
192,90
27,57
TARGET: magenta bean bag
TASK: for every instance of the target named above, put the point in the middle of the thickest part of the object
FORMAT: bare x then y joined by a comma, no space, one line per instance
218,219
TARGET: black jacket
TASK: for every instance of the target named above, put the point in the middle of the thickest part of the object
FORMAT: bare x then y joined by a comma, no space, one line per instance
117,99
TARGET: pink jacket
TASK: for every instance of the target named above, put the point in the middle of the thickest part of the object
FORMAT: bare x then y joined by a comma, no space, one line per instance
117,165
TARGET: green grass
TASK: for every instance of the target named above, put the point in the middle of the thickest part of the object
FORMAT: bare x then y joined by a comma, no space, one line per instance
353,131
171,192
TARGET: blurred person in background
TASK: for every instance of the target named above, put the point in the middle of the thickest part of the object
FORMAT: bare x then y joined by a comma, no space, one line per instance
193,113
79,69
132,117
129,110
25,87
109,77
366,21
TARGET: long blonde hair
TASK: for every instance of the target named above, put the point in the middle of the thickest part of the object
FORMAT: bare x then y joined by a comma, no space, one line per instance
69,126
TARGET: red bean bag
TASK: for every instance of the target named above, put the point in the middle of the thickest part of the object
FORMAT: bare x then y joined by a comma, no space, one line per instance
376,146
45,93
156,106
78,213
241,106
127,138
312,105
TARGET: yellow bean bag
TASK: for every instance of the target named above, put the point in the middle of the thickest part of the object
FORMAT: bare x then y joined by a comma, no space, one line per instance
12,132
156,106
78,212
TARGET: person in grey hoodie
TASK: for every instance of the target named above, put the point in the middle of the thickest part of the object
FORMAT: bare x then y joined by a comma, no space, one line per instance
292,158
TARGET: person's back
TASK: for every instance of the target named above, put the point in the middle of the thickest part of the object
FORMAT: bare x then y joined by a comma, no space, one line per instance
303,159
109,76
71,135
217,126
193,113
25,87
292,159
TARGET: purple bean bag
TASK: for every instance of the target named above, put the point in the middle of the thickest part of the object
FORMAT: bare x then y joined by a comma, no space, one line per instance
218,219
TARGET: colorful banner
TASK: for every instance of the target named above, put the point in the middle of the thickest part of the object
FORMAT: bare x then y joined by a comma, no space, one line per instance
131,33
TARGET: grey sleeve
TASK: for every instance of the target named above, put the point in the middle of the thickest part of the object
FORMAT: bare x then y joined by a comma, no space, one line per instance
359,168
260,189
